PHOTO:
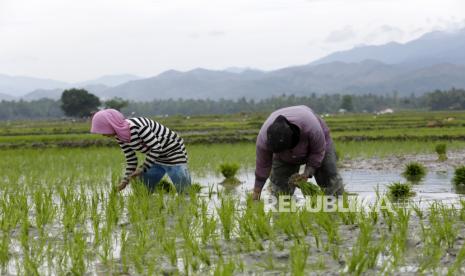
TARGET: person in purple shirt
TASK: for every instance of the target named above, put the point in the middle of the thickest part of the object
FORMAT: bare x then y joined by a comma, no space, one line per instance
291,137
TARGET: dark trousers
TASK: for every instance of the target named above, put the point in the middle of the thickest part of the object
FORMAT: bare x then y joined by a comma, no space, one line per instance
326,176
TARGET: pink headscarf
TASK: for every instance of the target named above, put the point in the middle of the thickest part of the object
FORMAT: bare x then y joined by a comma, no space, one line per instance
111,121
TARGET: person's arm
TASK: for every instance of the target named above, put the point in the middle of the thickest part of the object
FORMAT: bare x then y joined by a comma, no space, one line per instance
150,141
317,150
131,165
263,163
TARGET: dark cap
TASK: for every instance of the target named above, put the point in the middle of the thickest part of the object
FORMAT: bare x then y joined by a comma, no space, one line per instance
279,135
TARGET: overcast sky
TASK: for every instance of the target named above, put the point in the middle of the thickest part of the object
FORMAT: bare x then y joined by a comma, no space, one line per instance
75,40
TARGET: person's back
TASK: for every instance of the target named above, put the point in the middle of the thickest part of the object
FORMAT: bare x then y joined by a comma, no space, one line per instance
164,150
291,137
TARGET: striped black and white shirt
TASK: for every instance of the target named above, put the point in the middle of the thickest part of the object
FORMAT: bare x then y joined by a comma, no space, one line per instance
159,144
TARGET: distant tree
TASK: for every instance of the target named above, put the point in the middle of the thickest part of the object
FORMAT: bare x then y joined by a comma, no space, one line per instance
78,102
453,99
116,103
347,103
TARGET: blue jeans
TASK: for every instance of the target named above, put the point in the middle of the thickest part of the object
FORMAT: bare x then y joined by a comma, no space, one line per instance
179,175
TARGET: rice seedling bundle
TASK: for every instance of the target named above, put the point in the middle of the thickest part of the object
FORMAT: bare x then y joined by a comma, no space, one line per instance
398,191
459,176
414,171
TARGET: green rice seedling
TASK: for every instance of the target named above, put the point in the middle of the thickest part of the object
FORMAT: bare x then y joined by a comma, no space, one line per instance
30,265
348,218
9,212
414,171
224,268
186,260
205,257
186,227
366,251
418,211
442,220
165,185
308,188
112,209
194,263
106,245
227,214
459,260
365,258
95,218
169,247
77,253
249,240
262,221
210,191
298,258
24,233
400,191
388,218
138,204
366,229
289,224
195,188
441,150
432,250
320,264
306,220
208,224
398,244
124,249
356,261
80,206
31,254
217,247
459,176
327,222
462,209
68,215
268,262
229,171
5,242
256,223
45,212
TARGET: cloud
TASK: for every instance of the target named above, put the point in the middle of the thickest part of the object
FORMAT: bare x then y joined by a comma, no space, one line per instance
216,33
384,33
341,35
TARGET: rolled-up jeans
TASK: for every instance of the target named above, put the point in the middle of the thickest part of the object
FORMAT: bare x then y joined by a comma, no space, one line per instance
179,175
326,176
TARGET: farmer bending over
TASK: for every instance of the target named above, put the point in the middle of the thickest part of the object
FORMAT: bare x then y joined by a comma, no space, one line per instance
164,149
291,137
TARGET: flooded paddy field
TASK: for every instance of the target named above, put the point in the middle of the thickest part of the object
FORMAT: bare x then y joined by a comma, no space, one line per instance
59,216
60,213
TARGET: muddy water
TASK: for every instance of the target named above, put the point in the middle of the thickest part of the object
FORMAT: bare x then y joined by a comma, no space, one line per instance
363,182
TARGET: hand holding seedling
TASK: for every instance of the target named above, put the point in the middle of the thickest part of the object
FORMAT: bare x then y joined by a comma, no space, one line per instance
136,173
122,185
256,194
125,182
297,178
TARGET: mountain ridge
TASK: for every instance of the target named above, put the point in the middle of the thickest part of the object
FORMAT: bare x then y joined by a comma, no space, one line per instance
433,61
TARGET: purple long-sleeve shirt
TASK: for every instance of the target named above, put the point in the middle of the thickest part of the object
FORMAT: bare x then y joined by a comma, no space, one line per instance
310,150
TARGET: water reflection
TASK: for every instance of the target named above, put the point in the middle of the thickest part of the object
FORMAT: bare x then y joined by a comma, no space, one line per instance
365,183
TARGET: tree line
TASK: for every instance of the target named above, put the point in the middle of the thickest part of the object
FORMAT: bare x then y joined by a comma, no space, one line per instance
80,103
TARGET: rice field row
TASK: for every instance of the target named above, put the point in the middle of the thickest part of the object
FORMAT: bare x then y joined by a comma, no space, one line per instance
419,126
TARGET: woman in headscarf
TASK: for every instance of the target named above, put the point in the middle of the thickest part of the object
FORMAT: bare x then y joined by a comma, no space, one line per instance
164,150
